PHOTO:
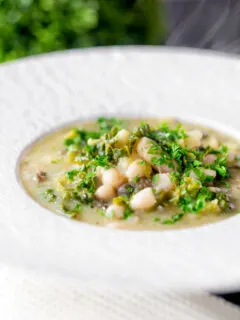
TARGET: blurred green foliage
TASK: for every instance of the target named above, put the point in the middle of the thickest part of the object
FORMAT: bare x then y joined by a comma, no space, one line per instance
30,27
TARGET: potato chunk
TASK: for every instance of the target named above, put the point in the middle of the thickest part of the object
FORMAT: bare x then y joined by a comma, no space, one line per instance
211,142
122,138
124,163
139,168
194,138
115,210
105,192
143,146
210,173
162,182
113,177
143,200
209,159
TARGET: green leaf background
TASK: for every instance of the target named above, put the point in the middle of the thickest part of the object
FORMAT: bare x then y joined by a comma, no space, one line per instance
29,27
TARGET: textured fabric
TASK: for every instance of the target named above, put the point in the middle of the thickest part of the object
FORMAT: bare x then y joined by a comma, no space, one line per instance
27,296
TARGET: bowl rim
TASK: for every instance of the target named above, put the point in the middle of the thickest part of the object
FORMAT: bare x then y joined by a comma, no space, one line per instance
17,232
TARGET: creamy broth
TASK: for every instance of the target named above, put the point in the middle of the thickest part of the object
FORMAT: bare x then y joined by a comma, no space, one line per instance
43,164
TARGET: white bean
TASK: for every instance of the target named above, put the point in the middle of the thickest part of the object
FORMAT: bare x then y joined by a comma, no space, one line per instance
124,163
193,175
139,168
122,138
143,146
209,159
210,173
194,139
115,210
211,142
113,177
162,182
165,168
143,200
105,192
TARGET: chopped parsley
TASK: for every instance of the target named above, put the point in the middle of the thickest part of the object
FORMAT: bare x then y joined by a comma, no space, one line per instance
175,218
128,212
194,180
49,195
106,124
155,178
135,179
71,174
72,213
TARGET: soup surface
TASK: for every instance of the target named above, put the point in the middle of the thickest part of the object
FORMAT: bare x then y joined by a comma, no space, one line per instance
130,174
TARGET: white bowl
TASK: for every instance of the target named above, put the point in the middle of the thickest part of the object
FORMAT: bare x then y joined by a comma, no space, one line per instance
41,93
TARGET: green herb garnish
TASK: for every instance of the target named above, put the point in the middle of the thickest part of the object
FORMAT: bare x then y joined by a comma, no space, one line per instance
135,179
128,212
175,218
49,195
192,177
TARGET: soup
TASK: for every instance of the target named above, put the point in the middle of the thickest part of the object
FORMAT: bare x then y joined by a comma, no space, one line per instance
130,174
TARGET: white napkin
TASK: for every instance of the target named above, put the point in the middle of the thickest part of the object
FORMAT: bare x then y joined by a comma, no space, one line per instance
27,296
